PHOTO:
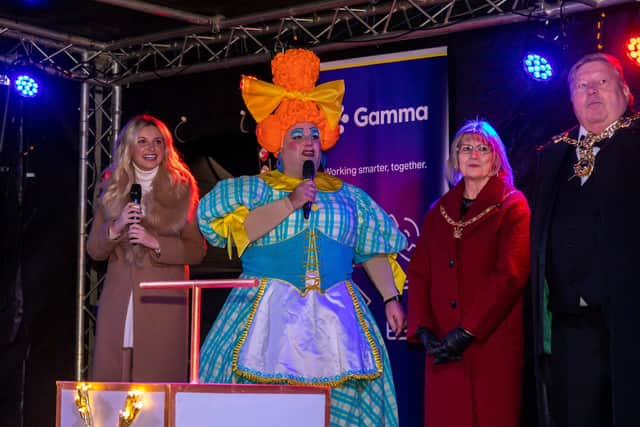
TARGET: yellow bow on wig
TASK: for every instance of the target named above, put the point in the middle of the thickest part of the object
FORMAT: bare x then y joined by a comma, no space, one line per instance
261,98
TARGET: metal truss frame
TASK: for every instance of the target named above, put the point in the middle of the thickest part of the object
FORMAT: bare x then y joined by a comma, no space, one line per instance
216,43
208,43
100,119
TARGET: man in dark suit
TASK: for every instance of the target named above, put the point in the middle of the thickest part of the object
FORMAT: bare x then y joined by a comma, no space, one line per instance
585,252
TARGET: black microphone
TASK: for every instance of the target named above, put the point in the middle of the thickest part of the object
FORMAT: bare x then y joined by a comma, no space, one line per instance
135,194
308,171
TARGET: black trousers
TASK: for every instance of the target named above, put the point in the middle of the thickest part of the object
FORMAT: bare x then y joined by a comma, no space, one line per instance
580,382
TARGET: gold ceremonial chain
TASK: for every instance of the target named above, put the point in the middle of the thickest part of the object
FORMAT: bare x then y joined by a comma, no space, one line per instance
586,159
458,226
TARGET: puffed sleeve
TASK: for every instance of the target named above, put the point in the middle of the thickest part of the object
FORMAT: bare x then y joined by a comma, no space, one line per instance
377,233
222,211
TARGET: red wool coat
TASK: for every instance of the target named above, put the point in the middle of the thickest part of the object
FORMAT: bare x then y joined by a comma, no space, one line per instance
475,282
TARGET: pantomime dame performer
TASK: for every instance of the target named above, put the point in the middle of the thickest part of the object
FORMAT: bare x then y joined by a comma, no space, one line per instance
306,322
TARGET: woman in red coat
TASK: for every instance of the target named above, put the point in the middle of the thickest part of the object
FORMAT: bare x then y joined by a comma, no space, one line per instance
466,280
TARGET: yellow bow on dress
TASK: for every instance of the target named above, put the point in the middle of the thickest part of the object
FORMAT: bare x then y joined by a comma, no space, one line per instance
232,228
261,98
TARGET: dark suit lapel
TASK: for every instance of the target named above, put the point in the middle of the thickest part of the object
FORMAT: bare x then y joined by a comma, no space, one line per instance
549,170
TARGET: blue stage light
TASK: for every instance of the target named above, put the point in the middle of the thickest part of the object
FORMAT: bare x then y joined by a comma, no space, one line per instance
537,67
26,86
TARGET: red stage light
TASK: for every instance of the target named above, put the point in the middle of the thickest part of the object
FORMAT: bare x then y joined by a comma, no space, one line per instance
633,49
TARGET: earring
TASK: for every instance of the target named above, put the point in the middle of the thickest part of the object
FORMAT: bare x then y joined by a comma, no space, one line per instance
323,162
279,164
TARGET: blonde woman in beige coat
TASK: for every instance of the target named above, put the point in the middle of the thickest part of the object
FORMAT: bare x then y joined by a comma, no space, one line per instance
142,334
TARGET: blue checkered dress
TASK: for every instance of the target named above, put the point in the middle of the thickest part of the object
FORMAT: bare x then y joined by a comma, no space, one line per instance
348,216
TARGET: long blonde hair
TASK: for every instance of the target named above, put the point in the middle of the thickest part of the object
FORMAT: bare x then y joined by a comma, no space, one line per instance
121,174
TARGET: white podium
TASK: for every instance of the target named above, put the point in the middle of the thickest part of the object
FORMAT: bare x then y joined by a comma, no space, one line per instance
199,405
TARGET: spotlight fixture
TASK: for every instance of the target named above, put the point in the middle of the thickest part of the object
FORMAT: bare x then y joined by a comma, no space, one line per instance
26,86
537,67
632,47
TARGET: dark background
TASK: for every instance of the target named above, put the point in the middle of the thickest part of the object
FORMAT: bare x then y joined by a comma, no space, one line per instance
486,80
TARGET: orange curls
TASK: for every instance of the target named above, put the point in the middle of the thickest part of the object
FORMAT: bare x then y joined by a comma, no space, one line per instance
296,69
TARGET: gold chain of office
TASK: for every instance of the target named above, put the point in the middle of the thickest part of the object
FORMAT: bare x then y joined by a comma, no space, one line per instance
586,158
458,226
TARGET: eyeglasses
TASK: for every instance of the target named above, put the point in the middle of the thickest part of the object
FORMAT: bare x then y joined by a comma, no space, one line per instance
481,149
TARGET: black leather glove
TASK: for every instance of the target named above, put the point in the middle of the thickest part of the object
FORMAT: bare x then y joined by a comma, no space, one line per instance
429,340
452,346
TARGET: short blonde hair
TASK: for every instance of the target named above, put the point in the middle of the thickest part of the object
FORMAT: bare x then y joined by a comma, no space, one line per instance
487,134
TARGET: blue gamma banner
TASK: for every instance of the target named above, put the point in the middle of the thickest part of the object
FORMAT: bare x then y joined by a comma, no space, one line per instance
394,143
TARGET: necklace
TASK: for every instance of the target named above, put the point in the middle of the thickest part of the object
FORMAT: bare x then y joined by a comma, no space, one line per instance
458,226
586,159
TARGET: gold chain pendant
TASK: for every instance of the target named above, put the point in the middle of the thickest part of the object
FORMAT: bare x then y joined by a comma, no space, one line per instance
457,232
586,158
458,226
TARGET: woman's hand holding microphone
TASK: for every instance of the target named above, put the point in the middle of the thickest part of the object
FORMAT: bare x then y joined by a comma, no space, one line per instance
130,214
130,218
